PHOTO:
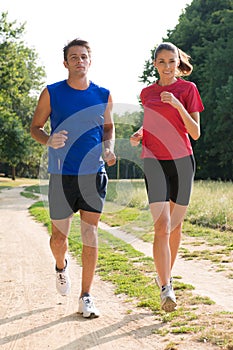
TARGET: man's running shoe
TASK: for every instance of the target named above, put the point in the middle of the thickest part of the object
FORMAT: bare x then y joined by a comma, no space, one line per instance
87,307
63,282
168,299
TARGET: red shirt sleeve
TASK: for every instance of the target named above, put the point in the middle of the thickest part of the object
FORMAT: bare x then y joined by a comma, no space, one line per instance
194,102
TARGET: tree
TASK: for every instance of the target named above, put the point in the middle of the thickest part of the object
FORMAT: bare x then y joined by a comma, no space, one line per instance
205,32
13,144
223,130
21,80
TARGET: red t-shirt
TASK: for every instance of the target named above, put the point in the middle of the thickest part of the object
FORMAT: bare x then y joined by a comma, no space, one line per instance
164,134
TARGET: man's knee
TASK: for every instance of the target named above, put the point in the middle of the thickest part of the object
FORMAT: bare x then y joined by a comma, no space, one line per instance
58,241
89,235
61,227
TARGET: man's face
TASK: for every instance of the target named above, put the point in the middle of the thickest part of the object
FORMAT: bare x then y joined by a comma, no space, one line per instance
78,60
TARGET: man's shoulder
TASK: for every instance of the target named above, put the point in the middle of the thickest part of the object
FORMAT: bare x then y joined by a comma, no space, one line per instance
98,87
55,85
100,91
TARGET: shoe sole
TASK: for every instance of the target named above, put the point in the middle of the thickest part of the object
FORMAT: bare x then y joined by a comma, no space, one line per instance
169,305
66,293
92,315
63,294
89,315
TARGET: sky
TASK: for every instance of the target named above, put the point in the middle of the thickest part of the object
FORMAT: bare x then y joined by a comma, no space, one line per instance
121,34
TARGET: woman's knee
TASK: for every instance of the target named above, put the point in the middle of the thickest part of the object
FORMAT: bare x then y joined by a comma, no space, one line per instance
162,228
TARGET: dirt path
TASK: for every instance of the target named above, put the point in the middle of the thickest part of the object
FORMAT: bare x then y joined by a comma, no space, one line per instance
33,316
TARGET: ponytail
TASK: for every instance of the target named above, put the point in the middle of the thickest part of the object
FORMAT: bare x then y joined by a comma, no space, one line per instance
185,67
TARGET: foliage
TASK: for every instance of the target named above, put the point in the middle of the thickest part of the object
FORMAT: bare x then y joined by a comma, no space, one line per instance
21,79
13,139
205,32
128,158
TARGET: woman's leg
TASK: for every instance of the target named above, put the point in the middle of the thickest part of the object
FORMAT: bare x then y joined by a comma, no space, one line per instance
177,213
168,219
161,249
162,253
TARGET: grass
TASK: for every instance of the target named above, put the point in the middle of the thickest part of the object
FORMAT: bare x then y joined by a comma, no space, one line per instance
212,205
7,183
211,202
132,273
118,261
204,220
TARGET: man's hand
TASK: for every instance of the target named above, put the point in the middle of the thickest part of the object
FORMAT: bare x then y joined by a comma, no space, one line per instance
109,157
58,140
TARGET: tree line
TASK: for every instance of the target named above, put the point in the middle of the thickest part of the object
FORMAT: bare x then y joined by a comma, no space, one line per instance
21,79
204,31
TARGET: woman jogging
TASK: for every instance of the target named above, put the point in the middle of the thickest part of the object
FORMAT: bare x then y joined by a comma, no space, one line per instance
171,114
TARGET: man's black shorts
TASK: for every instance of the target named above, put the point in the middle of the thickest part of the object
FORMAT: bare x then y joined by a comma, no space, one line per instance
169,179
70,193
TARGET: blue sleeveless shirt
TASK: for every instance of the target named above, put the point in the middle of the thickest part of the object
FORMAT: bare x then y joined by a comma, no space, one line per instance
81,113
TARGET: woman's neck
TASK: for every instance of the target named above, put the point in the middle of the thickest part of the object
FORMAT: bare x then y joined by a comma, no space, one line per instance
165,82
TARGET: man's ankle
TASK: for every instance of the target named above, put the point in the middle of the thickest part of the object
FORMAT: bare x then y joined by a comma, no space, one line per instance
59,269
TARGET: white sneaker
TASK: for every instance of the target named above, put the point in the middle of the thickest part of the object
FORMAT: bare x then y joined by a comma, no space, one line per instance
63,283
168,299
87,307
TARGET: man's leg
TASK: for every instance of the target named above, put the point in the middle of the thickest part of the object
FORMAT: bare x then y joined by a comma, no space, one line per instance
59,247
89,228
59,240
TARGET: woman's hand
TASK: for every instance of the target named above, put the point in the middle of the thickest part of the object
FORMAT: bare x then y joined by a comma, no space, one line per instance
191,120
136,137
168,97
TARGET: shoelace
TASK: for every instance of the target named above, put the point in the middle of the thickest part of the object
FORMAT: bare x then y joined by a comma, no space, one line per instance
62,278
88,301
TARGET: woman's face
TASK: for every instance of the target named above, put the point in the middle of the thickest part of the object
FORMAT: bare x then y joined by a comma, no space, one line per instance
166,63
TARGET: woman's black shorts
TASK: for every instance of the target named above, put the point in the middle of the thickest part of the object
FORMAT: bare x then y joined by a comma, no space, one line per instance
69,193
169,179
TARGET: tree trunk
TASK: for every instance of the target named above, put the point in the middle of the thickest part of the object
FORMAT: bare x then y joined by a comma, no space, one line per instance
13,173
